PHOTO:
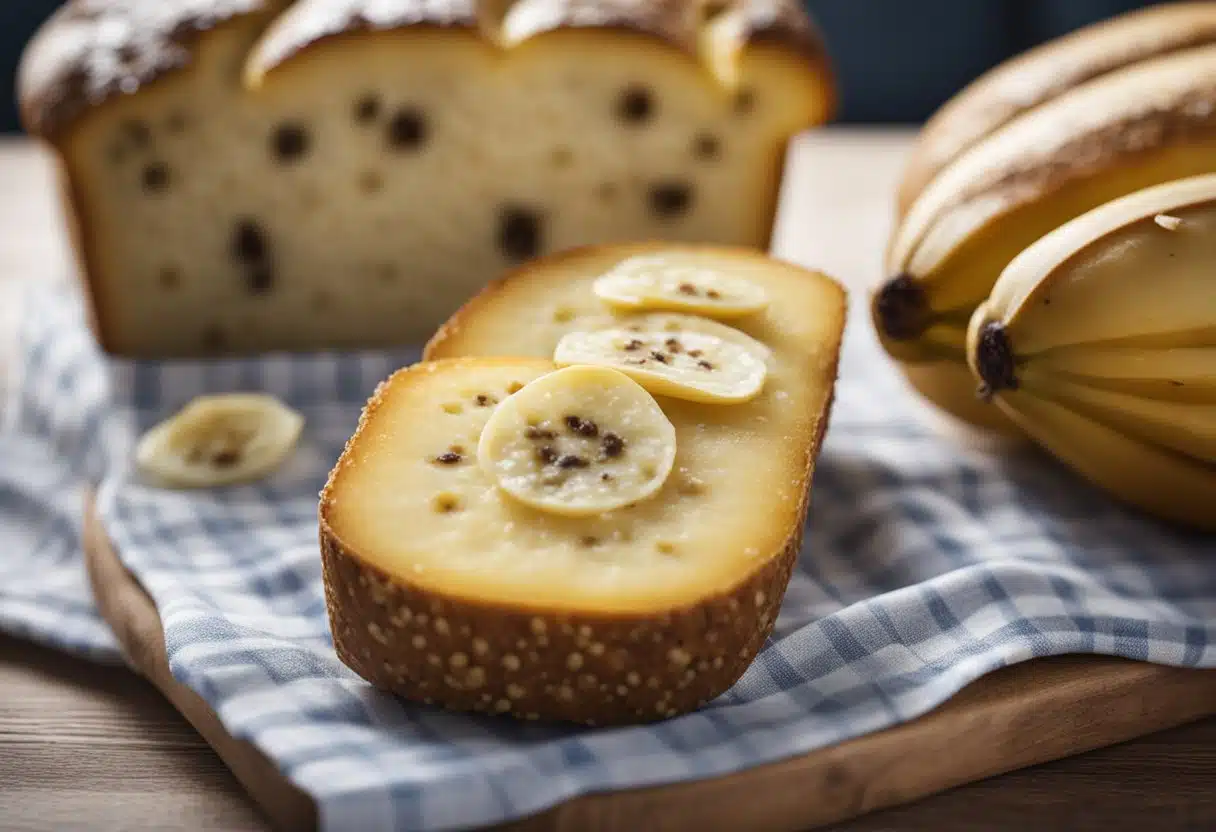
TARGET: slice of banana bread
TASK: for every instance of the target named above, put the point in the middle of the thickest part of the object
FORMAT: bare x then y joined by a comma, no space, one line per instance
450,582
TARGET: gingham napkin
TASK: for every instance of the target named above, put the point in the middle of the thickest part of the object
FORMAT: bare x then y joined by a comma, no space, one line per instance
926,565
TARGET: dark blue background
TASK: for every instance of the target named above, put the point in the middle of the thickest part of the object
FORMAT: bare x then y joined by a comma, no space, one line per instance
897,59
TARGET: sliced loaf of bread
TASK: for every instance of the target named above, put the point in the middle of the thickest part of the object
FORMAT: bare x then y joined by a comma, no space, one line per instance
246,175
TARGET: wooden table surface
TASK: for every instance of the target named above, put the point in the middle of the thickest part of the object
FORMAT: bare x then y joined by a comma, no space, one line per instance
83,747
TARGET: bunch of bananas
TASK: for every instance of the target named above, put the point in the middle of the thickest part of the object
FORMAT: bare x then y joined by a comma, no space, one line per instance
1056,250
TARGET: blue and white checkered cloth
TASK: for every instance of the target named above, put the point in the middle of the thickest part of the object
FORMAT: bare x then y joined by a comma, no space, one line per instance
926,565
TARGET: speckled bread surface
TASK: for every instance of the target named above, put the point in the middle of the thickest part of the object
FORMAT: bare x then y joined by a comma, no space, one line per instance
443,590
247,175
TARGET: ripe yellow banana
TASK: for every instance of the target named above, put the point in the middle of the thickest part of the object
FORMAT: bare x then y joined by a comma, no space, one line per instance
1046,72
1099,341
1152,122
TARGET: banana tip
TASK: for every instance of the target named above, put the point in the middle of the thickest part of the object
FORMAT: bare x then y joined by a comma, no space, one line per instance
901,308
994,360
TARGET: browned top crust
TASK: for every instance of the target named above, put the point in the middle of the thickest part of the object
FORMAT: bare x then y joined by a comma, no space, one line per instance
783,22
93,50
679,22
310,21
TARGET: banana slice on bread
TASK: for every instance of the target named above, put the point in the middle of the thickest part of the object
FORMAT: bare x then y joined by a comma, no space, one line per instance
672,323
580,441
1099,341
446,588
688,365
685,282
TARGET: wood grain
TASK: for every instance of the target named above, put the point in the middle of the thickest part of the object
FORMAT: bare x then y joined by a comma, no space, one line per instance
100,748
83,747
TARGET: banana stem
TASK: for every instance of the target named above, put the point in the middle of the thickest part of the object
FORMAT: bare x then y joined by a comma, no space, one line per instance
901,308
995,361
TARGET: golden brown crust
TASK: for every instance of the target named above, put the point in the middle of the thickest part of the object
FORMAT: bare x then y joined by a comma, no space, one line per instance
678,22
532,663
309,22
1046,72
593,668
93,50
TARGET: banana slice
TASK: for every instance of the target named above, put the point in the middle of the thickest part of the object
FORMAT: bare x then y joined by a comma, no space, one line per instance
694,366
674,323
686,284
578,441
220,440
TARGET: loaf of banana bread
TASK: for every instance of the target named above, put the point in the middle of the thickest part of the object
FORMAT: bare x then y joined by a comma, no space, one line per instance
250,175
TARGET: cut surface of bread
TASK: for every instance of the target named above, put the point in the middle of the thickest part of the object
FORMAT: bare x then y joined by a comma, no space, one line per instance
750,457
680,588
344,173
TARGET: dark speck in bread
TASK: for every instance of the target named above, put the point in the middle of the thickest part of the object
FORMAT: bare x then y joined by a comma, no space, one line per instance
248,242
290,142
636,105
745,101
214,339
407,129
370,182
261,279
519,232
367,109
670,199
706,146
137,133
155,177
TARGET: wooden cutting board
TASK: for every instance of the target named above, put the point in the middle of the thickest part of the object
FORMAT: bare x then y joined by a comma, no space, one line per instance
1028,714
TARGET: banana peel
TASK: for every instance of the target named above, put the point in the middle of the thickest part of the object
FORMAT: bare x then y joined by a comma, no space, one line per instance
1046,72
1099,341
1152,122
